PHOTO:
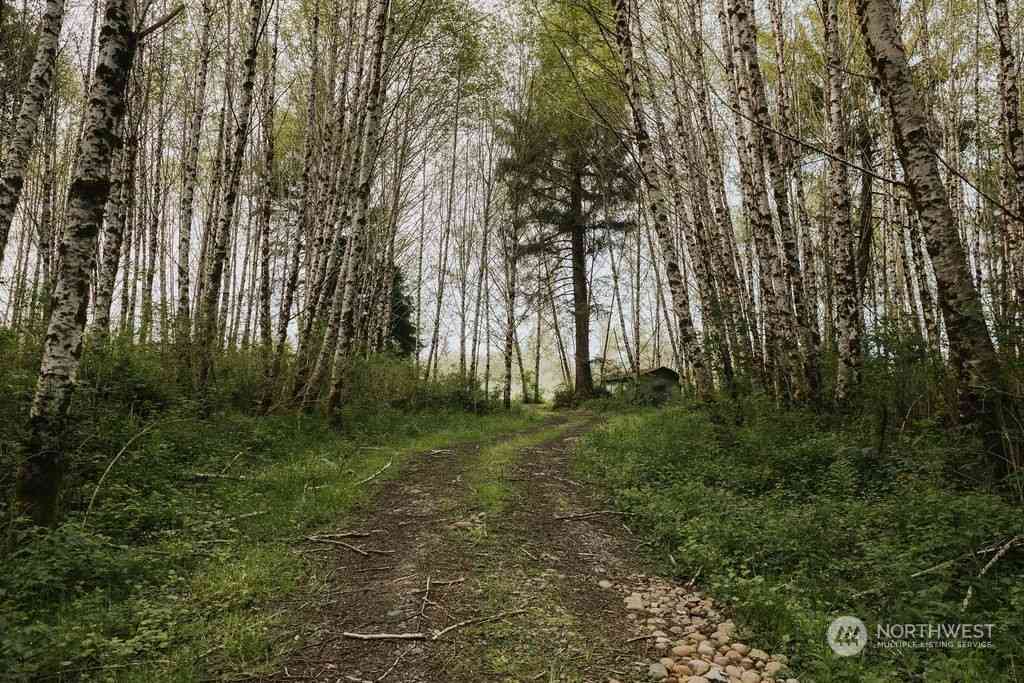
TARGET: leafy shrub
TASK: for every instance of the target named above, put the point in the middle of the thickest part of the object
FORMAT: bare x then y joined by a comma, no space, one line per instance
564,397
796,518
166,559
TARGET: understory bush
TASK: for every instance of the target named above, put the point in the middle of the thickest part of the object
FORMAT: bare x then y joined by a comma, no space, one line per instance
177,518
794,518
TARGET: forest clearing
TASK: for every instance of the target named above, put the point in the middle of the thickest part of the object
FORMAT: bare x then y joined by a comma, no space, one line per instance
563,340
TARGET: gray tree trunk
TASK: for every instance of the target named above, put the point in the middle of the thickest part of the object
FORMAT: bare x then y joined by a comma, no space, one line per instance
971,350
37,89
39,474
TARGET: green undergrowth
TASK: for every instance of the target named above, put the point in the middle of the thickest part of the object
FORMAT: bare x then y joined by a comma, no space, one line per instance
180,568
486,476
176,557
795,519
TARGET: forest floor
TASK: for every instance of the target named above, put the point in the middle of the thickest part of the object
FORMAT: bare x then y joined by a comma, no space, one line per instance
487,561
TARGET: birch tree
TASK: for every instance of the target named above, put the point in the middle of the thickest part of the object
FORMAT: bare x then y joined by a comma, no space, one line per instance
39,475
971,350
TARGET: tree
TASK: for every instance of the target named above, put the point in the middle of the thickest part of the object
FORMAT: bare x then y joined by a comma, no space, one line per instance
567,170
402,335
657,201
972,352
40,473
37,89
209,327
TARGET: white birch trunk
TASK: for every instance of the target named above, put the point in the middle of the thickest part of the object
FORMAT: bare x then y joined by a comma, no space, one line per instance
39,474
37,90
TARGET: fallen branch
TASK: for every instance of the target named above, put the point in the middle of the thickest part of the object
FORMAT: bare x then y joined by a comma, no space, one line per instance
441,583
471,622
636,638
346,534
85,517
1000,547
437,635
342,544
247,515
374,475
386,636
585,515
233,461
426,599
397,660
995,558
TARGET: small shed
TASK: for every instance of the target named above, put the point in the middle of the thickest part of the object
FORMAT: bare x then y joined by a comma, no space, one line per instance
656,385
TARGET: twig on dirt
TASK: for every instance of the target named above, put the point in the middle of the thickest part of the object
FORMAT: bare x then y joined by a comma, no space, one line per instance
347,534
470,622
636,638
374,475
595,513
426,599
380,552
441,450
331,541
381,568
391,668
437,635
386,636
441,583
567,481
403,578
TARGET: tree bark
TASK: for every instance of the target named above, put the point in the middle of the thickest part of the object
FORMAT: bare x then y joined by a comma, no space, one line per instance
190,174
39,475
366,179
210,336
971,350
847,312
37,89
689,341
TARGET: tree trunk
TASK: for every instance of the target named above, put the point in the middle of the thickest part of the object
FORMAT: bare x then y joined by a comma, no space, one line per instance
847,312
190,173
1010,92
971,350
122,170
366,179
656,201
584,385
208,340
37,89
39,474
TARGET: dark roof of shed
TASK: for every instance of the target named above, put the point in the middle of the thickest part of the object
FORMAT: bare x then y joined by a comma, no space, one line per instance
650,372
